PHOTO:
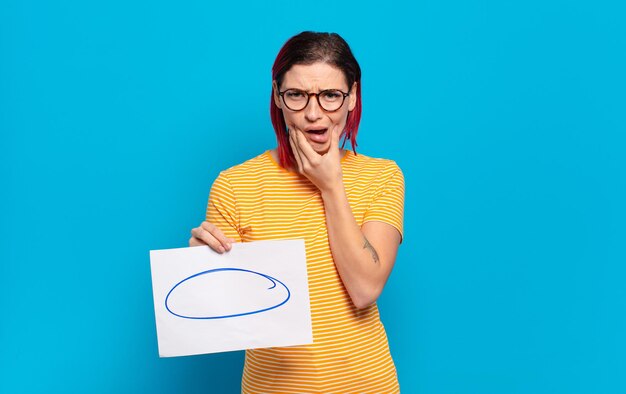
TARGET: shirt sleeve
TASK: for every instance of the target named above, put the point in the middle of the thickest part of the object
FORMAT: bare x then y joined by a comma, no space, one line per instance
222,208
388,201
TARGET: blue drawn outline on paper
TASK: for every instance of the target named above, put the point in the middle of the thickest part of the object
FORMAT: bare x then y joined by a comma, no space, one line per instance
271,279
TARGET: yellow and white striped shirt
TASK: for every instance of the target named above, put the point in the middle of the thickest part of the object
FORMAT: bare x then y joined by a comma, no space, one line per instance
260,200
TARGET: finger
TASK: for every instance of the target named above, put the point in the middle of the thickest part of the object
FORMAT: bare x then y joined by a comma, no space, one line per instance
203,237
307,150
296,150
199,236
217,234
193,241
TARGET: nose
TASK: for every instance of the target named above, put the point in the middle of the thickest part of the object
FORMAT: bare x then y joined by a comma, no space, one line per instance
313,112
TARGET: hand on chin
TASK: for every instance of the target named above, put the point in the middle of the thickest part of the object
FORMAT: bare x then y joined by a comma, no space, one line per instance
319,162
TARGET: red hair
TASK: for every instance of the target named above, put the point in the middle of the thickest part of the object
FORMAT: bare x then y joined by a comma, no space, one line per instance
308,48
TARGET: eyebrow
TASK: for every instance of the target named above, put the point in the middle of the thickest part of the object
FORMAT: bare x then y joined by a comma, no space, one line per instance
308,91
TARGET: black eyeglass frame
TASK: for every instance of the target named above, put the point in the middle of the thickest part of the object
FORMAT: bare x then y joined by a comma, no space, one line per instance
317,96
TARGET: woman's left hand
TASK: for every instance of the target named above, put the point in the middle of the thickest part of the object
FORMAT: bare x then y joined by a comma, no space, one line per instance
324,171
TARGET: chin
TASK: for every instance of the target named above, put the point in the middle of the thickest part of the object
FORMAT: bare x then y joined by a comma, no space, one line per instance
321,150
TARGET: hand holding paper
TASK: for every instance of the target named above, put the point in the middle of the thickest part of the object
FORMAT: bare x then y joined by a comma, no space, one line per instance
254,296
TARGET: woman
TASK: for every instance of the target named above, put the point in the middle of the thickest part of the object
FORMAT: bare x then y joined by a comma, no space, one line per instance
347,207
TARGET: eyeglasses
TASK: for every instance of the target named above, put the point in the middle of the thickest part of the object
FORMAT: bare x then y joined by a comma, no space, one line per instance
330,99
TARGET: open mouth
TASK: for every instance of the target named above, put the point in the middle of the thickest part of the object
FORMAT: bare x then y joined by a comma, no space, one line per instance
319,136
317,131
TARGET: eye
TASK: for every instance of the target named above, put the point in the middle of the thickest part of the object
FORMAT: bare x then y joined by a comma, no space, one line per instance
295,94
331,95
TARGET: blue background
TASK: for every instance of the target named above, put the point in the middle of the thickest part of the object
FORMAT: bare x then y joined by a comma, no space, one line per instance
507,117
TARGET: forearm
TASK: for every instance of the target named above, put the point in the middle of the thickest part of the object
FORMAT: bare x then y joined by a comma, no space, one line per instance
364,256
357,261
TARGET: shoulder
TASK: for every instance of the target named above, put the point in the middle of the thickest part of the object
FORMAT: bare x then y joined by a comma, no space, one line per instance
229,181
250,170
364,165
254,174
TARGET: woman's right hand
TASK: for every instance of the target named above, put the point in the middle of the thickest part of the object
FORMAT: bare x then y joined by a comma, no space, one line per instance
208,234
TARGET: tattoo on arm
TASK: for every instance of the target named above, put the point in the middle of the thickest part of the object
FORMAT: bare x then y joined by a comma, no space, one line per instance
368,245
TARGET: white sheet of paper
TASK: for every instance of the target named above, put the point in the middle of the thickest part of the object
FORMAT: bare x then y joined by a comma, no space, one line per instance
256,295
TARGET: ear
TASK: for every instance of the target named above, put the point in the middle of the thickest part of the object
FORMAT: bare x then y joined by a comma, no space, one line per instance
277,100
352,97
